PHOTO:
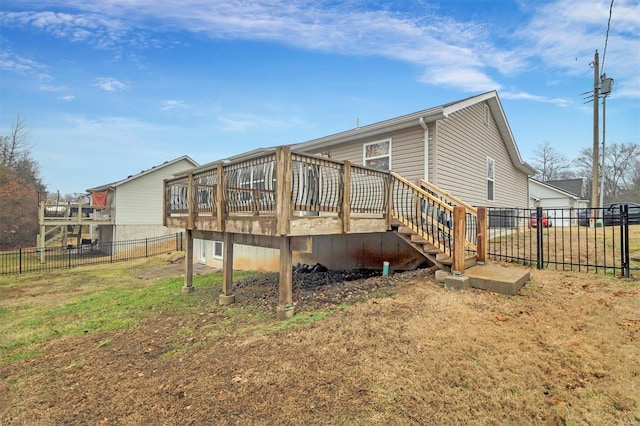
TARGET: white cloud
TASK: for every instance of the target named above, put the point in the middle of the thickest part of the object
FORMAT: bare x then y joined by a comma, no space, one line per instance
530,97
98,29
52,88
19,64
110,84
172,104
241,123
558,35
565,34
67,98
469,79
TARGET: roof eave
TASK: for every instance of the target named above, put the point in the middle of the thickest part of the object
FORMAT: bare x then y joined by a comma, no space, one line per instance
371,130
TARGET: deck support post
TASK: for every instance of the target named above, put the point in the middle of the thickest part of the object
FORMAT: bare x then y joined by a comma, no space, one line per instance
188,264
42,236
285,293
227,297
459,230
482,235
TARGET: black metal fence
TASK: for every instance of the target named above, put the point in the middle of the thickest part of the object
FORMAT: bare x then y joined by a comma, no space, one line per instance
37,259
566,239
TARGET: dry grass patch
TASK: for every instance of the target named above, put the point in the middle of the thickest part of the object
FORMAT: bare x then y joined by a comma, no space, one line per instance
563,351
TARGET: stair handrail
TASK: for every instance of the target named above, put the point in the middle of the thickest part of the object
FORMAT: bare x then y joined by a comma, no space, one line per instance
450,198
447,195
445,202
421,191
439,232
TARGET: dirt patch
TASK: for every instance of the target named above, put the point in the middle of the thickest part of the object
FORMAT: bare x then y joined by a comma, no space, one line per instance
406,351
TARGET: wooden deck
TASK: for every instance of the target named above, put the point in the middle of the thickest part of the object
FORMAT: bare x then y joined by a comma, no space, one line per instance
59,222
281,199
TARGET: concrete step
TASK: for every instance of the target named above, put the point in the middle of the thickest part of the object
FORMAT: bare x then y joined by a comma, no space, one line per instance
497,278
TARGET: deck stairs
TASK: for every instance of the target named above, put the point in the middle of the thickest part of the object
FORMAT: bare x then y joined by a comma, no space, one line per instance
55,236
429,250
422,217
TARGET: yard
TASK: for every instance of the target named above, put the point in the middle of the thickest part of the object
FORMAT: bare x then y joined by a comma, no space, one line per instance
120,344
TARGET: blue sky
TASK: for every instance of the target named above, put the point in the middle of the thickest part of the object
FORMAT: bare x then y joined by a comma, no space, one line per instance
113,87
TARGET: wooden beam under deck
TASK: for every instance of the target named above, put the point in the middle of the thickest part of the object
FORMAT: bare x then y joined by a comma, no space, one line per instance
298,226
298,244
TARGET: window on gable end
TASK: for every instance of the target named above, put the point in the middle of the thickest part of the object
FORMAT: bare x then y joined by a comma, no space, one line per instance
491,170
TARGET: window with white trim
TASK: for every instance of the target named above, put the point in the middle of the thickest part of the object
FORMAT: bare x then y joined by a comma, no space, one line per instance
377,155
491,173
217,250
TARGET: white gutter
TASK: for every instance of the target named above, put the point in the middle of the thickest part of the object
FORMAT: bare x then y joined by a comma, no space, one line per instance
426,148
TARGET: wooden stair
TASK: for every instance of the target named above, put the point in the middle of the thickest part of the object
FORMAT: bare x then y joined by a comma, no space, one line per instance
430,251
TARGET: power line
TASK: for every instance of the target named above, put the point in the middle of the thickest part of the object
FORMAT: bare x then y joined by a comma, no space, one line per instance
606,40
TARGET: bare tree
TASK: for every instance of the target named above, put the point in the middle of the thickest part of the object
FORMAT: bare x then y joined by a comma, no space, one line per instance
584,166
20,188
14,146
549,164
620,170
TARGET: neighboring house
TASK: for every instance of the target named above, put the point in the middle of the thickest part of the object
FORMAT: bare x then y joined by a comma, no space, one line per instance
465,148
136,203
556,201
572,186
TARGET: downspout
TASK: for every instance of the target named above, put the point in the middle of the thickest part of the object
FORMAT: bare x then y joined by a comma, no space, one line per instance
426,148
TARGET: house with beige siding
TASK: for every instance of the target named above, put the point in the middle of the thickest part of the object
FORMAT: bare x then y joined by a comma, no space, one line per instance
463,149
135,203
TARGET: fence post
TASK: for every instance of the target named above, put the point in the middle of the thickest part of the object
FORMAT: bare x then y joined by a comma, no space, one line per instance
624,240
69,257
146,247
20,260
539,245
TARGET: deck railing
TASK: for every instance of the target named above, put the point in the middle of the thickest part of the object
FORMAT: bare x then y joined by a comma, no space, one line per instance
250,187
74,213
284,184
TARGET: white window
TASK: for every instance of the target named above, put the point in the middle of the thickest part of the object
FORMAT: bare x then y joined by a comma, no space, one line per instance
377,155
491,170
217,250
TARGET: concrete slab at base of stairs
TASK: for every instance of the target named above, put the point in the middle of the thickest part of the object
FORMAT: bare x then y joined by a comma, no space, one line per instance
497,278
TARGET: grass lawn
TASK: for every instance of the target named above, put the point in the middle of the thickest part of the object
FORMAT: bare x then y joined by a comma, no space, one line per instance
121,344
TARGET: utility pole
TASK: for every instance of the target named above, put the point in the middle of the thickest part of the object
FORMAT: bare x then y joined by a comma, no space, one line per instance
596,134
605,90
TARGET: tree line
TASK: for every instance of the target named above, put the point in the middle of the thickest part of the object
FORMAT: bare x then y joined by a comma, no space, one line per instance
21,187
620,173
